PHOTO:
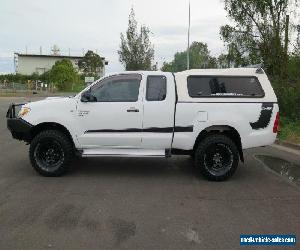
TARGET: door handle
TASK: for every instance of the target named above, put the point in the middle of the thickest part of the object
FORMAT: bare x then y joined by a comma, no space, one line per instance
132,109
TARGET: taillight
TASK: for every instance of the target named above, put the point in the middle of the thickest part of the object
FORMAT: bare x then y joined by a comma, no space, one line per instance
276,123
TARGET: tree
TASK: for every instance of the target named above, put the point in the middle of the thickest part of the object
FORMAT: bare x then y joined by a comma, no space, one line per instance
223,61
63,75
297,45
136,51
258,34
199,58
241,50
90,64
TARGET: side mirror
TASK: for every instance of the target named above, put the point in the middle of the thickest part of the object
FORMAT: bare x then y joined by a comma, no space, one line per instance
87,97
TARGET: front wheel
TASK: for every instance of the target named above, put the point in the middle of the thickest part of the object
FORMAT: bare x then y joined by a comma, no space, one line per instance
50,153
217,157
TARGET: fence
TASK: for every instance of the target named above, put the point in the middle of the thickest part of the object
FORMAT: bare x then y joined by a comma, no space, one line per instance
30,86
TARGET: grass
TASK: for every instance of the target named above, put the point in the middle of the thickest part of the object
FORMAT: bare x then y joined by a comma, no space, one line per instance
289,130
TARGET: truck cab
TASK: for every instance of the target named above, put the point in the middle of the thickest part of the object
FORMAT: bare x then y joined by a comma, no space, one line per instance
125,112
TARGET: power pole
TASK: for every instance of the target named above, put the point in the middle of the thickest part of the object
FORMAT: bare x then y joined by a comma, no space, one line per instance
286,43
188,48
286,34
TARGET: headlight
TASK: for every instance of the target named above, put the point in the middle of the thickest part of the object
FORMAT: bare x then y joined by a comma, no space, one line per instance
23,111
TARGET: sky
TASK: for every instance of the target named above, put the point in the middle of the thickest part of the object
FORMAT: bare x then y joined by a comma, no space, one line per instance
96,24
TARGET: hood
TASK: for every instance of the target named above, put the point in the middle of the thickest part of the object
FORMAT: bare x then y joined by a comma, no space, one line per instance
56,97
58,110
52,101
53,97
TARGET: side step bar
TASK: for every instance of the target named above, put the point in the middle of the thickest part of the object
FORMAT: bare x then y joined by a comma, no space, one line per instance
128,152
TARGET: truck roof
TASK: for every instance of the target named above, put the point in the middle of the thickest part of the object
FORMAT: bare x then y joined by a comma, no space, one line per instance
227,71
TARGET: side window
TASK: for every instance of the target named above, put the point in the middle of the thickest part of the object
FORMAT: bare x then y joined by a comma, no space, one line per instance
220,86
156,89
121,88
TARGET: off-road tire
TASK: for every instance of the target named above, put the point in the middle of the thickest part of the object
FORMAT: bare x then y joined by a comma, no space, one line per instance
202,157
63,145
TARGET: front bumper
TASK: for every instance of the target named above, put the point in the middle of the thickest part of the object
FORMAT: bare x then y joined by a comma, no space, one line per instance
19,128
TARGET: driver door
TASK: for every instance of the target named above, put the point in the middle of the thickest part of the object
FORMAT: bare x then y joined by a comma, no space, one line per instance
114,118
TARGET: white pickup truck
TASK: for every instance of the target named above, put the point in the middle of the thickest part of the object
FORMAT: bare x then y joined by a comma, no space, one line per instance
210,114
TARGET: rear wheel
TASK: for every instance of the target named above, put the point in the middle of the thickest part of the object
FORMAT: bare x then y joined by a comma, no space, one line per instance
50,153
217,157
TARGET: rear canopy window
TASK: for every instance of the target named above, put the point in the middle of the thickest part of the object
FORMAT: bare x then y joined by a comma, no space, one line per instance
224,86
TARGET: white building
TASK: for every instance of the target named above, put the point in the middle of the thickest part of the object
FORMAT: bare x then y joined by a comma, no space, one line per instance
27,64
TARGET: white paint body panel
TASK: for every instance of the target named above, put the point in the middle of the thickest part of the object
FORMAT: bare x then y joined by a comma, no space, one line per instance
106,115
235,115
159,114
199,113
60,110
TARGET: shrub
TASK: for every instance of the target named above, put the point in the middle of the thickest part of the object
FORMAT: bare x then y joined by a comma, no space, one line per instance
288,100
63,75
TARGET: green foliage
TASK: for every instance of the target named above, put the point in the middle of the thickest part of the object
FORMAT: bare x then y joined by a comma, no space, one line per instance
45,77
289,100
242,51
289,130
168,66
288,90
258,33
136,51
293,70
78,87
90,64
223,61
63,75
199,58
18,78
